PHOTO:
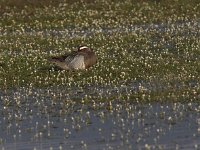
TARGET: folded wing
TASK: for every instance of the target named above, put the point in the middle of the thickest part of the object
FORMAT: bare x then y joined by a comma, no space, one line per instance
76,62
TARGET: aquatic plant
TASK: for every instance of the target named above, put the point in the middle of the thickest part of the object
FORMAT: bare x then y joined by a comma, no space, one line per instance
148,51
136,42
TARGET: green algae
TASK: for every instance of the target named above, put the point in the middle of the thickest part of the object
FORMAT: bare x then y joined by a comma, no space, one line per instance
152,42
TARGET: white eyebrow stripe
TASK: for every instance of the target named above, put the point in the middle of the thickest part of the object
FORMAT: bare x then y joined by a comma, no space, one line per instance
83,47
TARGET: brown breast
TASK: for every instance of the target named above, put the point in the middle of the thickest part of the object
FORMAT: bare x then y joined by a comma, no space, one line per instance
89,58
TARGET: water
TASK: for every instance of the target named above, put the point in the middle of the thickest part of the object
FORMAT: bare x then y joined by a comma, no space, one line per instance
185,28
55,118
31,119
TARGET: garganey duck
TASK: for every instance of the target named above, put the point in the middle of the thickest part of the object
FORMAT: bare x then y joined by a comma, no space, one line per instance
81,59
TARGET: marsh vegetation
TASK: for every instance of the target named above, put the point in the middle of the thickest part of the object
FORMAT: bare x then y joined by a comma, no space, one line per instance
148,52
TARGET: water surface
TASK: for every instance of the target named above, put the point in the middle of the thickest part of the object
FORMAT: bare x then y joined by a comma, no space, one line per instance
44,123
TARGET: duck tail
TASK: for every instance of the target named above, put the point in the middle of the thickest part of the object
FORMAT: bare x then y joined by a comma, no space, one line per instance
59,62
51,59
55,59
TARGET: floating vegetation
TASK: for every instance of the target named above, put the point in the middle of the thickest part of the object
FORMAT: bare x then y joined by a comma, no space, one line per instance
147,52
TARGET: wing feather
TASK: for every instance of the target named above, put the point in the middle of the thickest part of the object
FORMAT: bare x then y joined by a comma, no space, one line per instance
76,62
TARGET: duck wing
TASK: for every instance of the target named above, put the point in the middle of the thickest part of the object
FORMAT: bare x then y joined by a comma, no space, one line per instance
74,60
77,62
63,58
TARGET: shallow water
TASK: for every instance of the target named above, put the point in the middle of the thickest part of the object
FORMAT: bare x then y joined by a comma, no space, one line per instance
191,30
52,118
42,122
104,111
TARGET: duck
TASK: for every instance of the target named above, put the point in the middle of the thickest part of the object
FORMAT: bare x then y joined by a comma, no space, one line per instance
81,59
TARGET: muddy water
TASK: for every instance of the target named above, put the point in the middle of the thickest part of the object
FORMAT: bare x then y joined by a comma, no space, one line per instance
30,119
